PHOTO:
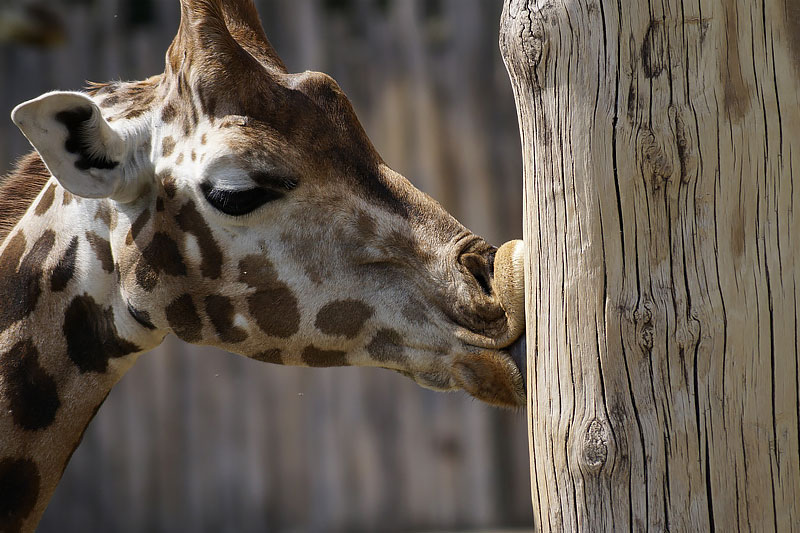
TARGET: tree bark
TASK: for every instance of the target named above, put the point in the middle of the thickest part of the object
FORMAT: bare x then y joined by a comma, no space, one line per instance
662,218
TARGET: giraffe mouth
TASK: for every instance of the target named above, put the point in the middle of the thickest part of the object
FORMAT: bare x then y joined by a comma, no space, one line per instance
494,370
508,284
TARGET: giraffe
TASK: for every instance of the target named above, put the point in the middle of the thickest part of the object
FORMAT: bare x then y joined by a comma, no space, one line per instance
234,204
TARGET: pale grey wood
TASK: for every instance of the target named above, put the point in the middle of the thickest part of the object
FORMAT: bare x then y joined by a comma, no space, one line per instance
660,141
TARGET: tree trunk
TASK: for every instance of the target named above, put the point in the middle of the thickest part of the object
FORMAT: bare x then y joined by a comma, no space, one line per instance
662,219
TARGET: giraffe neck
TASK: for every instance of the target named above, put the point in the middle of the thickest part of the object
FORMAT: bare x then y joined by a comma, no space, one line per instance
66,337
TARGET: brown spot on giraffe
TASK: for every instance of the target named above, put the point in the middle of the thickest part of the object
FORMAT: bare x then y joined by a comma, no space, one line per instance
30,392
106,215
46,201
179,160
65,268
343,317
255,270
190,122
221,312
191,221
273,356
187,127
68,197
20,281
184,320
168,181
414,312
137,226
275,310
91,335
161,255
313,356
102,250
19,489
273,305
135,112
168,113
167,146
111,101
12,255
387,346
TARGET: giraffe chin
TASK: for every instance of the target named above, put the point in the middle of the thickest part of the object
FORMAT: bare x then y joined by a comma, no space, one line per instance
491,376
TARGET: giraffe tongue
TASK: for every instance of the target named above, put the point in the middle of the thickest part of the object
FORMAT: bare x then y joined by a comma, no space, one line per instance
509,285
519,354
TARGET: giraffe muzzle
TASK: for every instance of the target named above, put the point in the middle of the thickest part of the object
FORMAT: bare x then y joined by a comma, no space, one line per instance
508,287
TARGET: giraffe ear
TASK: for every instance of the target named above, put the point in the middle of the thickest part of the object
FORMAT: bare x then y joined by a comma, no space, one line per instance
82,151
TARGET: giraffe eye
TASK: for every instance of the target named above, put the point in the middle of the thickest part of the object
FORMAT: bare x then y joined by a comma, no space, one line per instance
238,202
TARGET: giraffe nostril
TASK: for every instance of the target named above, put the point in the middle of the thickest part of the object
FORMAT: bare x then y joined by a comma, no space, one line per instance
480,266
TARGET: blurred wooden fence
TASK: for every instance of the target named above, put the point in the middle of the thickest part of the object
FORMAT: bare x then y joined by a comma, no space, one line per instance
194,439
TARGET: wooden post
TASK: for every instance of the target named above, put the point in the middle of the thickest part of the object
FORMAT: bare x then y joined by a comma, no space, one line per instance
663,229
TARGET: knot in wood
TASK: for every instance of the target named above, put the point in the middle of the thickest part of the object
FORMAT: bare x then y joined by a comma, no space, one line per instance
643,315
643,318
524,38
536,40
594,448
654,155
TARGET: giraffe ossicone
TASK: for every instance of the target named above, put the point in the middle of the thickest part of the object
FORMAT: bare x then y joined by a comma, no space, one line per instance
232,204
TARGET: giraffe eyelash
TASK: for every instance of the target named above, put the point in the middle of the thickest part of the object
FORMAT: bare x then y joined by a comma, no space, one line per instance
238,202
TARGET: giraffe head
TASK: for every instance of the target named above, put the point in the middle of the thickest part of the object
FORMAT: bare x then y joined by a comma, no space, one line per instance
247,209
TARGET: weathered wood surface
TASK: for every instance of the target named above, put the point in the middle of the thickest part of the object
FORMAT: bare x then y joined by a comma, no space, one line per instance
661,144
197,440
